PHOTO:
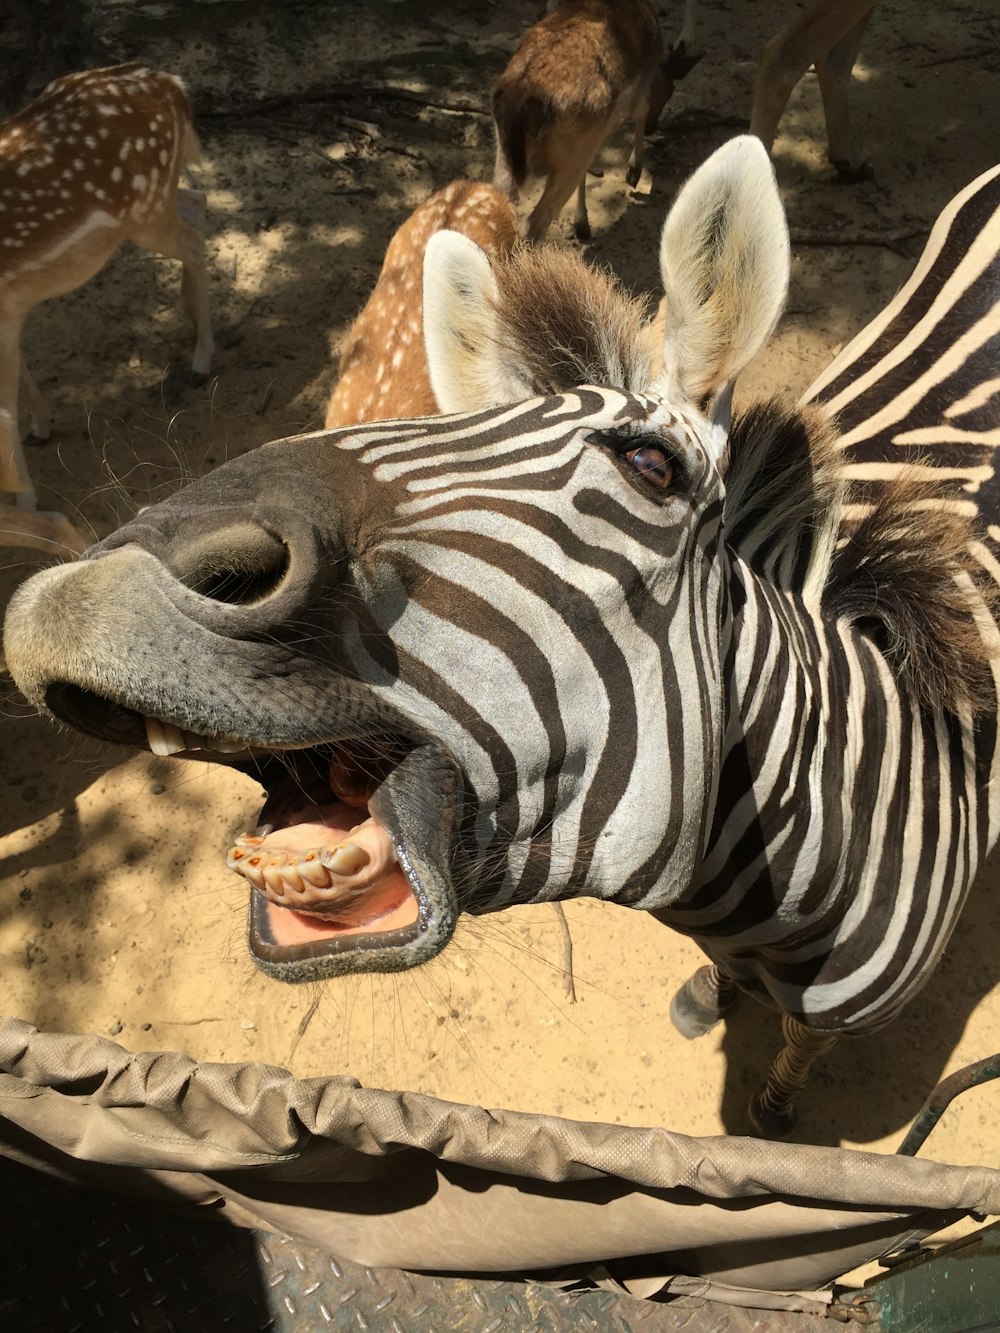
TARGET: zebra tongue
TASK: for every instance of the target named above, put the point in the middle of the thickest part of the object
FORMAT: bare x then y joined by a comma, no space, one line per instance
407,915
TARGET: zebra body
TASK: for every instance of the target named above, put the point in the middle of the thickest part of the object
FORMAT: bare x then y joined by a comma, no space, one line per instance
609,642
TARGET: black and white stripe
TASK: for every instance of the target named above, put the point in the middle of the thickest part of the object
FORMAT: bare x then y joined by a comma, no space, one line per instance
845,821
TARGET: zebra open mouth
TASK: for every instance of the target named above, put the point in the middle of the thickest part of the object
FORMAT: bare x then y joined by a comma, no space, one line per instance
352,862
339,865
325,863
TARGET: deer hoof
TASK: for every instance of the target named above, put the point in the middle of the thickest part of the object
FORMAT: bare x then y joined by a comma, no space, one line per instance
850,174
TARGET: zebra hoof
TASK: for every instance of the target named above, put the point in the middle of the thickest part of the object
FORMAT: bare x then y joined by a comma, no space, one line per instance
702,1002
769,1122
690,1016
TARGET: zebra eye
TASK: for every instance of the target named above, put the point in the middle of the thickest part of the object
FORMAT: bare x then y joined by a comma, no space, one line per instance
653,465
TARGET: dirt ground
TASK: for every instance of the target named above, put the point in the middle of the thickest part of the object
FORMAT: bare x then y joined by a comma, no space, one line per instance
323,126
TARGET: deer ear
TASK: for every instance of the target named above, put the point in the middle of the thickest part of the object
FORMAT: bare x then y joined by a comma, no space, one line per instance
469,369
724,263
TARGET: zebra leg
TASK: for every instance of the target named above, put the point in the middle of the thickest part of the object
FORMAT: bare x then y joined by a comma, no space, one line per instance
703,1000
771,1111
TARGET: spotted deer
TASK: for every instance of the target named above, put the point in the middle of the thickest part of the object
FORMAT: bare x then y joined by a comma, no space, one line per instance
575,76
383,368
94,161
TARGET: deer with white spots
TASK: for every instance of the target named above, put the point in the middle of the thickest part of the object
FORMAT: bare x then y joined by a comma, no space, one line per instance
576,75
383,367
94,161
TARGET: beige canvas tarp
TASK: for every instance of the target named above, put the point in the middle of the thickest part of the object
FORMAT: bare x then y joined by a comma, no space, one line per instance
404,1180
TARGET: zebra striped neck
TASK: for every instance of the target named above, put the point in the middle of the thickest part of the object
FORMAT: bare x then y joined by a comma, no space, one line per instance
838,801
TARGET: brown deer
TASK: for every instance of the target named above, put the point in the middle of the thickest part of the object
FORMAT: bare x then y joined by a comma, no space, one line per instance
94,161
576,75
826,35
383,367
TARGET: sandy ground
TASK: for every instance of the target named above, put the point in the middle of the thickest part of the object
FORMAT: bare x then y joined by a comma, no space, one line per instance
323,126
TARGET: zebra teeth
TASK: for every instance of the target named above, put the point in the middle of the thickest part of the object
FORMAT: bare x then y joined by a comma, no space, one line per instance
248,841
347,859
312,870
281,871
166,739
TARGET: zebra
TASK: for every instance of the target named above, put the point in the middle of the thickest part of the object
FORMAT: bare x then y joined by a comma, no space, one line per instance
734,669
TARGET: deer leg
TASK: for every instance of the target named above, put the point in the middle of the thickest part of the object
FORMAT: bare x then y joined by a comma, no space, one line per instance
181,237
771,1111
680,59
194,282
558,187
41,417
703,1001
581,223
787,57
685,38
833,71
14,476
502,177
24,524
571,157
635,163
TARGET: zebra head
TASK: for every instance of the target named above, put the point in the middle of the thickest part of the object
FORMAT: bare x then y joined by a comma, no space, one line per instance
476,659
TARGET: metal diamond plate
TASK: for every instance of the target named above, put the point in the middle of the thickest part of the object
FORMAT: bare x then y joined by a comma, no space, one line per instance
80,1262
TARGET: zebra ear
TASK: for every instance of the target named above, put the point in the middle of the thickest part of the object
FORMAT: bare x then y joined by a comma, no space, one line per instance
465,357
724,264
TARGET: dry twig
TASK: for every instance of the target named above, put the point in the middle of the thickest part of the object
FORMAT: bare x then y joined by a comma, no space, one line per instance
567,953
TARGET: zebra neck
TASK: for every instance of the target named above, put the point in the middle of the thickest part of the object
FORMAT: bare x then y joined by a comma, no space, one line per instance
812,713
848,822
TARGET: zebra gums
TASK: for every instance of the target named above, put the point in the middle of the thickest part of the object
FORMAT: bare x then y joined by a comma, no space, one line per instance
607,641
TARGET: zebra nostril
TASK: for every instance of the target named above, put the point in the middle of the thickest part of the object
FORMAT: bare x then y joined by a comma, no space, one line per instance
239,566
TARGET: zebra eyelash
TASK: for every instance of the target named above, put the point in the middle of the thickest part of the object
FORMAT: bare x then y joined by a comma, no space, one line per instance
625,445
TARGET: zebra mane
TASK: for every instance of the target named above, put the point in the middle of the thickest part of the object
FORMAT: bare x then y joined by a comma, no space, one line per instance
566,323
784,488
903,573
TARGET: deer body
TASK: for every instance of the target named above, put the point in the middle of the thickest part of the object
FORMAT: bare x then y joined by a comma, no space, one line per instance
383,369
576,75
94,161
